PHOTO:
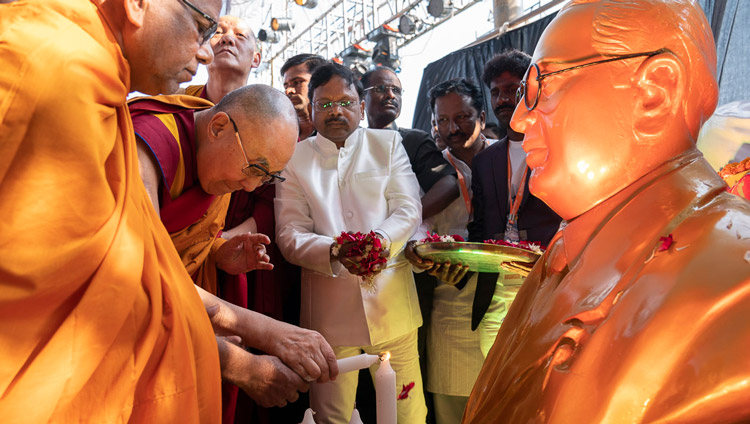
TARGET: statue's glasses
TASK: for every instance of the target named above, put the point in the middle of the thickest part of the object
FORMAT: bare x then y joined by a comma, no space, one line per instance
254,170
206,29
531,84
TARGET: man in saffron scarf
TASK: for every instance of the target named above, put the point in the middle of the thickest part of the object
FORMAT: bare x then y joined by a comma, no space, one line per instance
99,321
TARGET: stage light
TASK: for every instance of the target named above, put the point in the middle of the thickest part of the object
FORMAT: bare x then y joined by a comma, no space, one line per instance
407,24
439,8
307,3
269,36
282,24
356,58
385,52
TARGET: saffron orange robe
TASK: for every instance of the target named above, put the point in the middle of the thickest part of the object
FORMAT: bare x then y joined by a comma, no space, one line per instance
99,321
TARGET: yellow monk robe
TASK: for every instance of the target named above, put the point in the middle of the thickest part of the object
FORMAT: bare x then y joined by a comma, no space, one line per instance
197,91
99,322
193,217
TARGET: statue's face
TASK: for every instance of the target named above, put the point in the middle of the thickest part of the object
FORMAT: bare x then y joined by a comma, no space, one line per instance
579,137
599,122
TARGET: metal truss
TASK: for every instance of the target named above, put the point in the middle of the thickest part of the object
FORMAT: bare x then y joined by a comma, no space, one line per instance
351,28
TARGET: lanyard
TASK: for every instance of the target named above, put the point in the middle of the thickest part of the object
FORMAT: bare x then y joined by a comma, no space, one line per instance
461,183
515,203
462,179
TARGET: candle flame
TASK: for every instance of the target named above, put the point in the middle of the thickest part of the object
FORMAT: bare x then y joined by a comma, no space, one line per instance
384,356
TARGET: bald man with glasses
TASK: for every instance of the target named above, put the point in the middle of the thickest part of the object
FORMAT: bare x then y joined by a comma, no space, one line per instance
193,156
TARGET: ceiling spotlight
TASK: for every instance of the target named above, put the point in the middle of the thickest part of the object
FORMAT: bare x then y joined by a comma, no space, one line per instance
282,24
408,24
439,8
356,58
269,36
385,52
307,3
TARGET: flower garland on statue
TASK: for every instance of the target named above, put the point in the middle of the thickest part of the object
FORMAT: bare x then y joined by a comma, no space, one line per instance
523,244
365,255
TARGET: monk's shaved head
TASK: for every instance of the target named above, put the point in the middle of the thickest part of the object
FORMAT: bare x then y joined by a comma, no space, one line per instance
258,101
263,120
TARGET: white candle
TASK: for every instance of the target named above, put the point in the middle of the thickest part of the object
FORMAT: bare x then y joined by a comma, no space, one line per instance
357,362
385,392
308,417
356,419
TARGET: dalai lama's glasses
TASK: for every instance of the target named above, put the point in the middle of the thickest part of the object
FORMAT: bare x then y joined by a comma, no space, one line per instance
531,85
253,170
206,29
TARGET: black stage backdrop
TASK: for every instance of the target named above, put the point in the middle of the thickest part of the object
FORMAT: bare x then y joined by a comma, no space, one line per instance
725,16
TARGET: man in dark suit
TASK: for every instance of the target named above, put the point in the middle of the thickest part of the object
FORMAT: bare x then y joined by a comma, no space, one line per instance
500,169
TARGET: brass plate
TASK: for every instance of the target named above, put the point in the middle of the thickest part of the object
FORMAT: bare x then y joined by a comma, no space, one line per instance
481,257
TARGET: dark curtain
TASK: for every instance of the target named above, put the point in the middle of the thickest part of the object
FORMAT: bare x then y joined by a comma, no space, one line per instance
469,63
725,16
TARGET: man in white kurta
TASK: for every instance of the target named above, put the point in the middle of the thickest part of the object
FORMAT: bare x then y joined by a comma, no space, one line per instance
352,179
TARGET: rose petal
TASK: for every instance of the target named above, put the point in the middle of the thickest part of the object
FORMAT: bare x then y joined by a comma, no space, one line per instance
666,243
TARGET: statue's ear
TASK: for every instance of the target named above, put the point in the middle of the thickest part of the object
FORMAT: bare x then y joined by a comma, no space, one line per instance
660,82
136,11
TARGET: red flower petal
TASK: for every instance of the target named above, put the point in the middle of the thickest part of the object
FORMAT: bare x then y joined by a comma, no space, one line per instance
405,391
666,243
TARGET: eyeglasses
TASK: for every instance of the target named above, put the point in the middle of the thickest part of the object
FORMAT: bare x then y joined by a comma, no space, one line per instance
380,89
343,104
531,85
205,31
253,169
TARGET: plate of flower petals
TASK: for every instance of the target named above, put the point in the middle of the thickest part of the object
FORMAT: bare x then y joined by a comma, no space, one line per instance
480,257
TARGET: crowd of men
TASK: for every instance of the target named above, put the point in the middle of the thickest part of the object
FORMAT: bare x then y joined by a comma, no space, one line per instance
174,257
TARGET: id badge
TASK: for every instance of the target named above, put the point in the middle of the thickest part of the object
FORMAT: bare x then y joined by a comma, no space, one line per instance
511,231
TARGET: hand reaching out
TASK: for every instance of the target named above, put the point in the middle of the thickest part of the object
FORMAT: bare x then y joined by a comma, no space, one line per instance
243,253
307,353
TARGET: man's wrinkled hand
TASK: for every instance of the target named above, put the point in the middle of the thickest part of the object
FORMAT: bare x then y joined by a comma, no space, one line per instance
449,274
271,383
244,253
307,353
416,260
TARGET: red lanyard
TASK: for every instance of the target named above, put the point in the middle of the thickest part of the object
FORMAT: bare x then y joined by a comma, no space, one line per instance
462,180
515,203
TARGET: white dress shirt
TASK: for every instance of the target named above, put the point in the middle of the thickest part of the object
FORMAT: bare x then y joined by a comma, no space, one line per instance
366,185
